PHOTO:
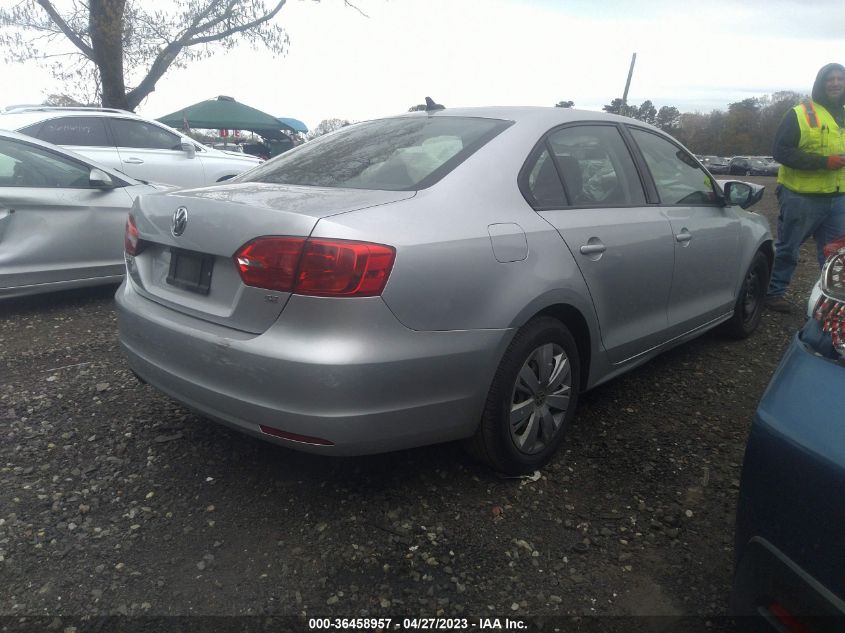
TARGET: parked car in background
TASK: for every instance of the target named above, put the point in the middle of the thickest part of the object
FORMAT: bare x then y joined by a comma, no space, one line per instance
753,166
375,289
760,167
715,164
138,147
740,165
789,554
772,166
62,218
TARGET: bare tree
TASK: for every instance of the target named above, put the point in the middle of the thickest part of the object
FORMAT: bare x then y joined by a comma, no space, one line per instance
327,125
120,42
57,99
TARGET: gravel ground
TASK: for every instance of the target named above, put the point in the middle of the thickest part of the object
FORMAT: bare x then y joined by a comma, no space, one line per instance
115,500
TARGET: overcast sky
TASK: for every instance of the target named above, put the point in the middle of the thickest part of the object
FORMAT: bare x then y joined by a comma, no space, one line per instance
696,56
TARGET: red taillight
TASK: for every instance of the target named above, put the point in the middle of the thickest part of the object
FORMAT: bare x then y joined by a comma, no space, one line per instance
131,243
832,247
349,269
270,262
313,266
830,308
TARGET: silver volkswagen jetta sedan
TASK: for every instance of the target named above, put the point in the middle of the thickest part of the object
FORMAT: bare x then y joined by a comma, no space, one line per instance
456,274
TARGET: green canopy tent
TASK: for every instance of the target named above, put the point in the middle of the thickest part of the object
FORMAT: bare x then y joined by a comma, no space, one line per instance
295,124
226,113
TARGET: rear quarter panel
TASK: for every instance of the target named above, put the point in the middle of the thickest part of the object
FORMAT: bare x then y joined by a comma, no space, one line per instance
446,275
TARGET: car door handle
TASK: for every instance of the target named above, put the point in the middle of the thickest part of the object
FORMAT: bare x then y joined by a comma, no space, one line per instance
592,249
133,161
683,236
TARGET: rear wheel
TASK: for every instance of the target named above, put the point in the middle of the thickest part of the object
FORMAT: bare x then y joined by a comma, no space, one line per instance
752,296
531,401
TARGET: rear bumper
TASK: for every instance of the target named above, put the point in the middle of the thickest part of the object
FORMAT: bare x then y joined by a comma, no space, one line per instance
343,370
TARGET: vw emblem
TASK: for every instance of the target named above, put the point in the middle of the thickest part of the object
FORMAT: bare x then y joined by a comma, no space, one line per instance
179,221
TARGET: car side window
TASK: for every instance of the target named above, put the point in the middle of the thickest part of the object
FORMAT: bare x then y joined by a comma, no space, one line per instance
676,174
25,165
73,130
544,183
141,135
596,166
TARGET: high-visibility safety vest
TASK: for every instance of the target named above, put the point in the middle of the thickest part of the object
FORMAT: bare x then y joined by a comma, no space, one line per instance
820,134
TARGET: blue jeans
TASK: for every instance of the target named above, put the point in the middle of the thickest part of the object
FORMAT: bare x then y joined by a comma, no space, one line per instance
822,217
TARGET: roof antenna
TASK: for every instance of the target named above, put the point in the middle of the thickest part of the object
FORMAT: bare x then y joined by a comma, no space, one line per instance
430,105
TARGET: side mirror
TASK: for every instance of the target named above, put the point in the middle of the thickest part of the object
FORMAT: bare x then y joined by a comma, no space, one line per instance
744,194
98,179
189,149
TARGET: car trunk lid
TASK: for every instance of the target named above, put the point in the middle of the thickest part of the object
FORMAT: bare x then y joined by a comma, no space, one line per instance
193,271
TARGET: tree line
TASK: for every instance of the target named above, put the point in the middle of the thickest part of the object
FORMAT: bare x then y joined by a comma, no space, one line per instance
746,128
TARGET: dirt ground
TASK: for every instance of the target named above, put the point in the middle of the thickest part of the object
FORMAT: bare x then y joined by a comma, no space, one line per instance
115,500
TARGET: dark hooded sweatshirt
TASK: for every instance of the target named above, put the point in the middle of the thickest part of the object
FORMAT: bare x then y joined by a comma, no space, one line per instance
788,135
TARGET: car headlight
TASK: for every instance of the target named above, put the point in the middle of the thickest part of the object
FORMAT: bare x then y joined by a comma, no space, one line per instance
830,308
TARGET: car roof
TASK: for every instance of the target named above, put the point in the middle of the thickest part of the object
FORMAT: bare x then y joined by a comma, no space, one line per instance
20,117
536,114
48,108
10,134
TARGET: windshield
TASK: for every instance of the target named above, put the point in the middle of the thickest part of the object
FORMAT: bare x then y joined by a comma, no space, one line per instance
397,154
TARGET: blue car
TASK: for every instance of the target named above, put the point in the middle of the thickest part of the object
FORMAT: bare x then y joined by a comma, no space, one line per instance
790,534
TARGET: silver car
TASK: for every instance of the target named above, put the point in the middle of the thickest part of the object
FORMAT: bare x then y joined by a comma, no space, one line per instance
436,276
62,218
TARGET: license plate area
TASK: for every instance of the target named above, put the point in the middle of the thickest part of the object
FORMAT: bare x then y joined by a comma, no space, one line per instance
190,270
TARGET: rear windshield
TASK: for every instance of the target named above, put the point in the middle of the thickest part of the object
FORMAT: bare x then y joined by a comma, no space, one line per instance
399,154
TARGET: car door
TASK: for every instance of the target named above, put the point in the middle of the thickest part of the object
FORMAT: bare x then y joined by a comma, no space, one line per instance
706,234
53,226
86,135
152,153
623,246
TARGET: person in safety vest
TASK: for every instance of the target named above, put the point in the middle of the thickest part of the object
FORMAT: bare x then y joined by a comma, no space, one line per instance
810,146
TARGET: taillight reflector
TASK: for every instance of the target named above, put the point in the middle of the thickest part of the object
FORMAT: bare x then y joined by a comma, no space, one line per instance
786,618
306,439
131,243
316,266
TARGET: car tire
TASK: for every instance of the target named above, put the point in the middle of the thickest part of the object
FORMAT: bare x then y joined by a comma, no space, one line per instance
539,377
752,297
